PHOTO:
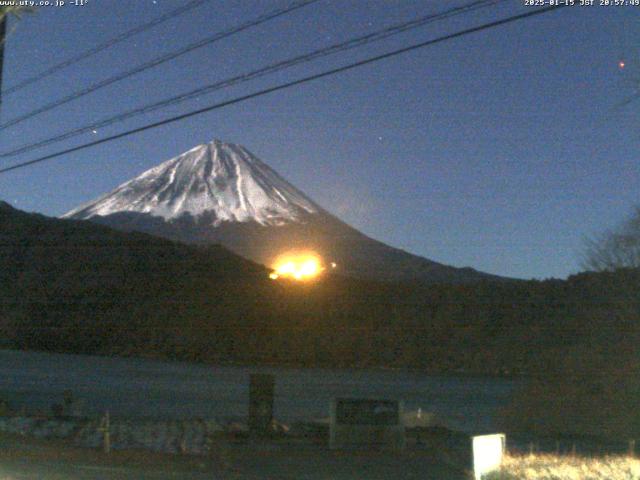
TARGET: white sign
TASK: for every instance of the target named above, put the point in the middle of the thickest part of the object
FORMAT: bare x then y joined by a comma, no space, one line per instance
488,451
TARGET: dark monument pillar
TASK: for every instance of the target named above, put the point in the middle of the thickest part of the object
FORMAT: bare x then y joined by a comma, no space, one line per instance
261,390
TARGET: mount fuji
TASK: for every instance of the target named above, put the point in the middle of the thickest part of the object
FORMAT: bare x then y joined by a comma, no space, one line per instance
221,193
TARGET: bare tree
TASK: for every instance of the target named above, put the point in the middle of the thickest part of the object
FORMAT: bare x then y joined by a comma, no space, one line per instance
17,11
5,11
616,249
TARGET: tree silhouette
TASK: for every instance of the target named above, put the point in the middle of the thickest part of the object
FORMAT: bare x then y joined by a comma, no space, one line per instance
616,249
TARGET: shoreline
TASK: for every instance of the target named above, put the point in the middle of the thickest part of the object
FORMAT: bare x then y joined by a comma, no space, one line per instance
288,366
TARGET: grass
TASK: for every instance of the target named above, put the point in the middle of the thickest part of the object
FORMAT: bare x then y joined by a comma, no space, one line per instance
44,451
559,467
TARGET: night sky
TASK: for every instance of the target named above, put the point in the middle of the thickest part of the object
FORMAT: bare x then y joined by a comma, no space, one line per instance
501,150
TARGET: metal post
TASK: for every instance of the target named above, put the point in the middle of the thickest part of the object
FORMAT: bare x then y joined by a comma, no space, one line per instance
105,428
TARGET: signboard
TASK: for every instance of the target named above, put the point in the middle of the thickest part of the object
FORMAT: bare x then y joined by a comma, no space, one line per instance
366,423
488,451
367,412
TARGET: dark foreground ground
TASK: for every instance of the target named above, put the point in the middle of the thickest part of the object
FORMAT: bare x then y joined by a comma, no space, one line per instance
24,458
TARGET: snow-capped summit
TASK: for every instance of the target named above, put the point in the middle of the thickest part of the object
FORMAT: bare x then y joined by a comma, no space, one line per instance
222,180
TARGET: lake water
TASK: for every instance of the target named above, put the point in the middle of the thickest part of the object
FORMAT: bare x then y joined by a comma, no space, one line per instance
148,388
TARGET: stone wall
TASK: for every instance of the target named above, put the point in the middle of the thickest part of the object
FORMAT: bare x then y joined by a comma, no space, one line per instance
170,436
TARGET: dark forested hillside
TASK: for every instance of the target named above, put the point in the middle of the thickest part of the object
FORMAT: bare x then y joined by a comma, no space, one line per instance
78,287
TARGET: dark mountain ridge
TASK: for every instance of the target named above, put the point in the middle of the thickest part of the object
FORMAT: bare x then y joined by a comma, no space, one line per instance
74,286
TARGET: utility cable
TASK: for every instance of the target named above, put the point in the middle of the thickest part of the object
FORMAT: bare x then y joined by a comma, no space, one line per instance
158,61
272,68
286,85
103,46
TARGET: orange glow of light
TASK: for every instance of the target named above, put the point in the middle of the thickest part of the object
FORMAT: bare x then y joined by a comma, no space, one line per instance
298,266
621,64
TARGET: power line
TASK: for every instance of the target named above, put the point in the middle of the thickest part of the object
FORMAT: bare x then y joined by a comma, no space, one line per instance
283,86
103,46
269,69
159,60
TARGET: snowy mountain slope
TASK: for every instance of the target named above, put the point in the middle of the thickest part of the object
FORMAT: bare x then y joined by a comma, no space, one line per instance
225,181
221,193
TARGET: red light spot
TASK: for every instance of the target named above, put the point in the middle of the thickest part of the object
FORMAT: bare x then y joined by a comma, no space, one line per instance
621,64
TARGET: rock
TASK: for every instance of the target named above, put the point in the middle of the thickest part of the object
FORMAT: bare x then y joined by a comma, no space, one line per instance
22,425
311,430
236,426
89,435
212,426
4,408
418,418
